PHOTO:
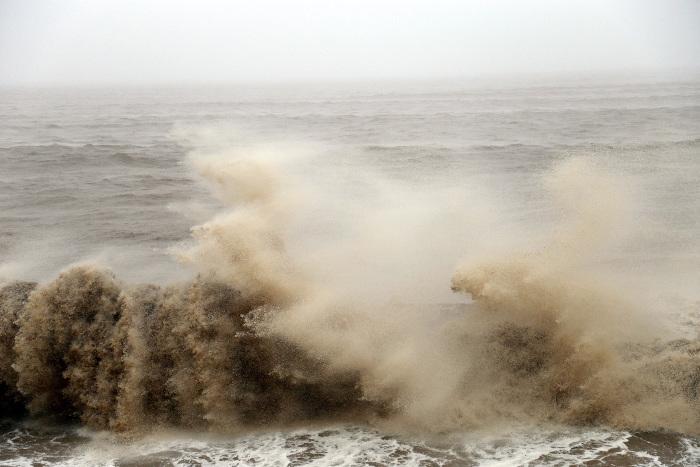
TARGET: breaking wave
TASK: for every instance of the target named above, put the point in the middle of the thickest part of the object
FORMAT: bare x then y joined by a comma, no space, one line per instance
257,338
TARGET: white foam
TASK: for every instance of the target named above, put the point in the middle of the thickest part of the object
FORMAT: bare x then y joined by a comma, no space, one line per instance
354,446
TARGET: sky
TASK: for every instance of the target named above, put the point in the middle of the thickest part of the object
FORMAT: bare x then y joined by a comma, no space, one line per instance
159,41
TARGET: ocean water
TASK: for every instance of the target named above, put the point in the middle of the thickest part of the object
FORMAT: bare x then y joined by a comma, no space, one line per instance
393,180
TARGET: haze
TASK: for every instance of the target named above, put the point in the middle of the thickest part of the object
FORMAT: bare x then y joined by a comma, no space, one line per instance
159,41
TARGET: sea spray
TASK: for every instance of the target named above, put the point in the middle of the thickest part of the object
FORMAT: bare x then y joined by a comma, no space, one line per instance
13,299
253,340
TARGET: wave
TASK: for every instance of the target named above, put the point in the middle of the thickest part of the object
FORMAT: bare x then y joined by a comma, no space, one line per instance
255,340
86,155
659,146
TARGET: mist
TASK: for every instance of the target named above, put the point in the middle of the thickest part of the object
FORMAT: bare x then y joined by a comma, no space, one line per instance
158,42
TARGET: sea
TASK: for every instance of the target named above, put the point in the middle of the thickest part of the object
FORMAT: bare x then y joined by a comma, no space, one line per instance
104,175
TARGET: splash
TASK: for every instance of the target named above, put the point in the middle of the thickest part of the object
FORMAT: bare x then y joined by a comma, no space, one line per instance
570,341
267,333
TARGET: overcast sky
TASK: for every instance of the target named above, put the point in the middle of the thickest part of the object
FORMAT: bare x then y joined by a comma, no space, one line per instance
169,41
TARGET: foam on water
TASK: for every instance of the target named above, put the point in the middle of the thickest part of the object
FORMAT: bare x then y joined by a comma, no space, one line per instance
349,446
